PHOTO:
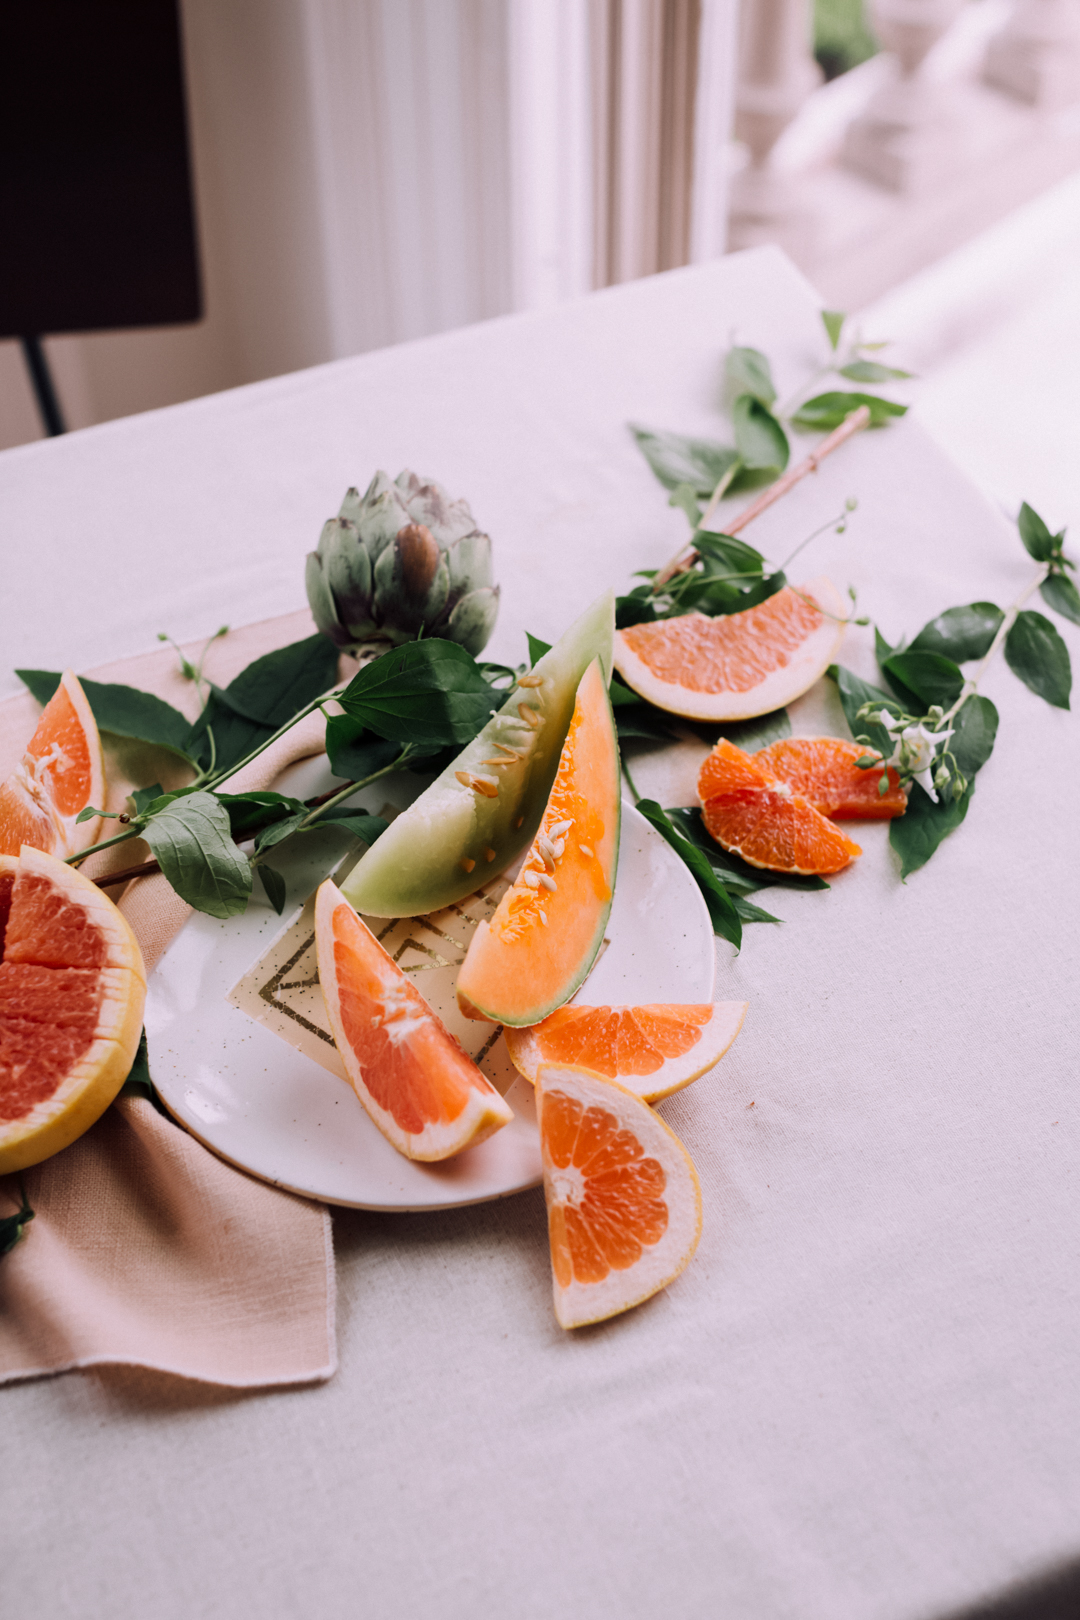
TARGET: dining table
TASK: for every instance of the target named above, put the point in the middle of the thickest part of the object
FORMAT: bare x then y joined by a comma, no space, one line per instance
861,1399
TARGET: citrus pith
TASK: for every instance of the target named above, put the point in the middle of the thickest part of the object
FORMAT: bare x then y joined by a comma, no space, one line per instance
651,1050
623,1197
72,988
419,1087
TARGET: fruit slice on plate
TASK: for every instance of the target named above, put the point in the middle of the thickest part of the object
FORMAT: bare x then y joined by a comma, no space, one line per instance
652,1051
752,815
740,664
823,771
61,773
478,816
423,1092
72,987
623,1198
549,925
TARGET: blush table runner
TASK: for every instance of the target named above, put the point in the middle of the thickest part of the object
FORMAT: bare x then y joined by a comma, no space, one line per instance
145,1250
861,1399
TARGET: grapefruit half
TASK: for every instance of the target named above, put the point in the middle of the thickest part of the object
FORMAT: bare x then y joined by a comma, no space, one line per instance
419,1087
72,987
652,1050
623,1197
740,664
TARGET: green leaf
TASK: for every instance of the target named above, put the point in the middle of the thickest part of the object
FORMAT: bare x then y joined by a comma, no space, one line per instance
273,887
733,872
192,840
684,497
960,633
143,797
139,1083
760,440
249,813
537,648
1034,533
748,372
676,460
882,650
751,913
264,697
351,820
426,692
278,831
1061,594
854,693
1035,651
932,677
123,710
643,723
633,609
763,729
827,411
354,752
723,553
871,371
722,909
975,728
917,833
833,322
12,1226
620,694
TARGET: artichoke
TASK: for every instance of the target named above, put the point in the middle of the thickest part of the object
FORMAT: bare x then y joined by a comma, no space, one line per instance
402,560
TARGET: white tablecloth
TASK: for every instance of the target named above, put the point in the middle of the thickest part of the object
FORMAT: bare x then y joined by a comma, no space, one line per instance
862,1399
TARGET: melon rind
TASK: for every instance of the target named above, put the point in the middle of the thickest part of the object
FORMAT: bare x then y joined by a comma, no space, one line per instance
490,958
437,851
579,1304
96,1079
779,688
716,1038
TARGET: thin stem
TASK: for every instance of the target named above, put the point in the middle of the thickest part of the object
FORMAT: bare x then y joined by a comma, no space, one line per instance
353,787
971,686
630,779
212,783
106,843
789,560
705,520
853,423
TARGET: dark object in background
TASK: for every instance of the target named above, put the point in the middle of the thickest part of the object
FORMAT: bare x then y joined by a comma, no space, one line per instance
95,182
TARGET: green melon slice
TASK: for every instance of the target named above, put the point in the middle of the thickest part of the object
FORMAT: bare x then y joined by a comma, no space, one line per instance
478,816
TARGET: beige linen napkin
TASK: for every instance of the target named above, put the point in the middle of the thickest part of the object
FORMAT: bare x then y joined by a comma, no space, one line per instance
145,1249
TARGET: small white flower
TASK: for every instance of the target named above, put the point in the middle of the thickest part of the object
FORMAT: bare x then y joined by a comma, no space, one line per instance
914,754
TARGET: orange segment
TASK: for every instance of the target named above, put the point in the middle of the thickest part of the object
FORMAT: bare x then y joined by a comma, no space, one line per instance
60,774
419,1087
623,1199
740,664
823,771
651,1050
781,833
72,987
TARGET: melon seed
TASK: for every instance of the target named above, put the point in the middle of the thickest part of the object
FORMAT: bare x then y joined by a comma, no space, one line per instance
548,882
530,680
467,864
489,854
530,716
586,851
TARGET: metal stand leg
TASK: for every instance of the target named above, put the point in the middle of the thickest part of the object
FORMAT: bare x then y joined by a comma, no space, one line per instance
44,388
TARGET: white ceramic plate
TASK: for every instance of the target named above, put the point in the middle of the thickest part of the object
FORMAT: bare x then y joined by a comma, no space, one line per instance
255,1100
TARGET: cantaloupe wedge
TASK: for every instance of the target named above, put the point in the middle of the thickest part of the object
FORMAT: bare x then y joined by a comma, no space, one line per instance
549,925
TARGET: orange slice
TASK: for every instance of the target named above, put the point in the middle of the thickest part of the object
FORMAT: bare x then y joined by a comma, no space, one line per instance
61,773
652,1051
754,816
423,1092
623,1197
72,987
740,664
824,772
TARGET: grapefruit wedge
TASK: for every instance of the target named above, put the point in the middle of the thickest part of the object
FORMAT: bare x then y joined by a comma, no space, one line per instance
623,1197
72,987
753,815
652,1051
61,773
550,923
738,665
419,1087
